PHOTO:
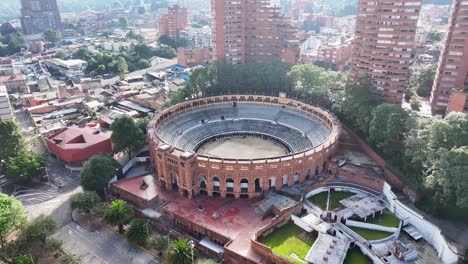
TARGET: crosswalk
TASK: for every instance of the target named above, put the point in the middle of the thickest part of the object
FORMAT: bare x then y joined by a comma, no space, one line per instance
31,196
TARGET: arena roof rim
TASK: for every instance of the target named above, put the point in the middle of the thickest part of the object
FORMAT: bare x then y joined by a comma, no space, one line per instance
335,129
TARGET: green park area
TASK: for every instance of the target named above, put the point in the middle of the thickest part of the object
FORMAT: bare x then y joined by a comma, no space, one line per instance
320,199
385,219
285,241
355,256
370,234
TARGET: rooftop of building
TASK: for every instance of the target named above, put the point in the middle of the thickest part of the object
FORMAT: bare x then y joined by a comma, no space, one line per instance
66,63
144,187
15,77
79,137
327,249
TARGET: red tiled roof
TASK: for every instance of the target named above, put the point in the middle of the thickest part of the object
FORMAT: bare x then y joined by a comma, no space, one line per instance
79,137
133,186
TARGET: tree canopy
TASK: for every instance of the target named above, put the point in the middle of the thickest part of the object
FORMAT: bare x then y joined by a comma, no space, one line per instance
425,82
139,231
126,135
181,252
51,35
11,141
25,166
118,213
97,172
85,200
12,216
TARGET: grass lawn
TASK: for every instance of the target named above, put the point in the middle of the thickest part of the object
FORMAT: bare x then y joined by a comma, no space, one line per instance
386,219
355,256
319,199
370,234
285,241
336,197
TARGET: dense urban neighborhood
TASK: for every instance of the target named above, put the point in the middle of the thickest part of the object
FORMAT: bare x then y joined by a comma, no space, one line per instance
233,131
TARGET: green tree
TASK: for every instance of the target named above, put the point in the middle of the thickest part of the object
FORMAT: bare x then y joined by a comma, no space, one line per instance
85,200
118,213
38,230
97,172
165,52
69,259
309,79
11,141
142,64
12,216
143,121
181,252
25,166
199,79
360,100
434,36
138,232
126,135
122,67
168,41
415,104
51,35
123,22
425,81
387,128
158,242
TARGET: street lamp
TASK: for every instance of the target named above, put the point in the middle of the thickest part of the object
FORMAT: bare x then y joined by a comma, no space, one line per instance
192,245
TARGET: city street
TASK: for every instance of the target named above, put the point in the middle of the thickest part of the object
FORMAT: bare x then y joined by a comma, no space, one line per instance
157,64
101,246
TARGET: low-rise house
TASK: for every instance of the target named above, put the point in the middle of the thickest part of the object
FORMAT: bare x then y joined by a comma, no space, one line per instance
13,82
67,68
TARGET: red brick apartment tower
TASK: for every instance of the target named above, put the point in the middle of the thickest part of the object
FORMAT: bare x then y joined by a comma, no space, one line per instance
384,43
175,20
452,72
252,30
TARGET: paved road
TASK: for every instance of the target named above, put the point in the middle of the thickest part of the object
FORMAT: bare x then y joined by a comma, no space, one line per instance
102,246
156,65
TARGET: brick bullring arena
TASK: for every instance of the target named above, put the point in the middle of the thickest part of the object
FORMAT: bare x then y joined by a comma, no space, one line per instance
238,146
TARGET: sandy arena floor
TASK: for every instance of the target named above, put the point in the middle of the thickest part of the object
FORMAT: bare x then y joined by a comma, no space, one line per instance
242,148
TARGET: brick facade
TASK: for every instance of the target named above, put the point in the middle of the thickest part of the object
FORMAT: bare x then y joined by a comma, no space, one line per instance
172,163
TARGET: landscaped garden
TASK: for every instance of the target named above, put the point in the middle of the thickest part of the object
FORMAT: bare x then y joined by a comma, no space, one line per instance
286,241
370,234
386,219
355,256
320,199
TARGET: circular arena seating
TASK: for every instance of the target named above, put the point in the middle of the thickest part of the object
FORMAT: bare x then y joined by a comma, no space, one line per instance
294,129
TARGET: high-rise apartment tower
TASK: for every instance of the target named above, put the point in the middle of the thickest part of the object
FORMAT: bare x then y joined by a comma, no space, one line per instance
39,15
384,43
252,30
175,20
452,71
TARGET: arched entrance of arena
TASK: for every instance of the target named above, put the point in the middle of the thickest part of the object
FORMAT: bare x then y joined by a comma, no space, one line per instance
215,184
244,184
229,185
203,192
202,182
258,185
296,177
307,174
244,196
324,165
216,194
186,193
272,183
230,195
285,180
174,181
317,168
